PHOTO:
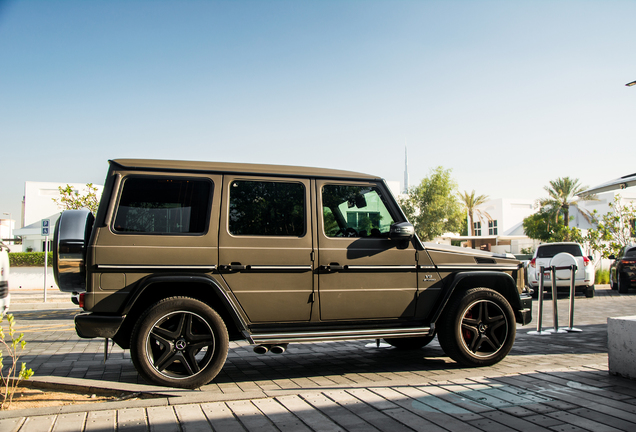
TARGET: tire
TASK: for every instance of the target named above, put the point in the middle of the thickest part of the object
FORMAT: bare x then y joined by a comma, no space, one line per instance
477,328
589,292
179,342
623,283
409,343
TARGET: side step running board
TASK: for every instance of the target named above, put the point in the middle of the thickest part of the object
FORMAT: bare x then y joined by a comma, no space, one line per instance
318,336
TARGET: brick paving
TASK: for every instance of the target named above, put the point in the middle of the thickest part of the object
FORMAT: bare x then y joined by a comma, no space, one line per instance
555,382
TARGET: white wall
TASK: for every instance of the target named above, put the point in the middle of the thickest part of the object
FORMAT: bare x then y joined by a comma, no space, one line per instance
38,199
508,212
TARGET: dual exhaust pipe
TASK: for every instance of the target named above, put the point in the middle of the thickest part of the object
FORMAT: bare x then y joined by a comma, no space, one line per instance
276,349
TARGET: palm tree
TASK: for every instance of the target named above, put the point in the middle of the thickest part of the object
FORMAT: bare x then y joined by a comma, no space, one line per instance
470,202
563,192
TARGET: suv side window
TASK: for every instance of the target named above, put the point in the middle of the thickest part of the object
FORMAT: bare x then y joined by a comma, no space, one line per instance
262,208
355,211
163,206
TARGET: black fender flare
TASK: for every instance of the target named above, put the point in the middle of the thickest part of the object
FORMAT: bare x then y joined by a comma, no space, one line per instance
505,285
220,293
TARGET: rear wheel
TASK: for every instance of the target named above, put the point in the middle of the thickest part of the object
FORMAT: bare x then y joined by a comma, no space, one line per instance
179,342
409,343
477,328
589,291
623,283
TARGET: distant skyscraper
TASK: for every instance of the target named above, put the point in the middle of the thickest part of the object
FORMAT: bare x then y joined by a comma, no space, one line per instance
406,171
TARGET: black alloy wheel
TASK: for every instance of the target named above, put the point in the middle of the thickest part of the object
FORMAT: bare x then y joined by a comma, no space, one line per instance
478,328
179,342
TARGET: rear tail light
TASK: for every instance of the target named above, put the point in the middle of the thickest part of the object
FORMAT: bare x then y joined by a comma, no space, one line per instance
81,300
533,262
628,261
586,261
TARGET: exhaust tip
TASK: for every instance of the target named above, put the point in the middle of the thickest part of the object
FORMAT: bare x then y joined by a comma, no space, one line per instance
261,349
279,349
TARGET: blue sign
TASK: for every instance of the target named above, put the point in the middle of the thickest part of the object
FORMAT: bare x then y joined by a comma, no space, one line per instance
46,227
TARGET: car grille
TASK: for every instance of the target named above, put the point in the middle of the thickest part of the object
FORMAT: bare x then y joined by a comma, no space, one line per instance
4,289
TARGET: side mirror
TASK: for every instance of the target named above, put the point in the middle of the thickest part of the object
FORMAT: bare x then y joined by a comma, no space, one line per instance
590,257
401,230
611,257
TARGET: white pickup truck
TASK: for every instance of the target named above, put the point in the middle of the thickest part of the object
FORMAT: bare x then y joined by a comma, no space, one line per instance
5,297
543,255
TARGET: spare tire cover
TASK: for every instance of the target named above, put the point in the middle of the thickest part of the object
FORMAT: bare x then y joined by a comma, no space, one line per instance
563,259
72,232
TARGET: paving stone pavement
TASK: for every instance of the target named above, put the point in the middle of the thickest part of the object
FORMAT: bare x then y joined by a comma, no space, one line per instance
556,382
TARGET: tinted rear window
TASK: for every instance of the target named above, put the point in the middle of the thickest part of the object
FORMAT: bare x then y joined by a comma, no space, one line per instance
630,252
163,206
548,251
263,208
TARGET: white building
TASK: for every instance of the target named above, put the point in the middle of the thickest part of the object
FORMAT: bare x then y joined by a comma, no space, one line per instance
500,226
7,226
38,204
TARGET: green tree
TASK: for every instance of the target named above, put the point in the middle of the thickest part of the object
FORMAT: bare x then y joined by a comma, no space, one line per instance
432,206
543,226
563,195
71,199
470,202
614,230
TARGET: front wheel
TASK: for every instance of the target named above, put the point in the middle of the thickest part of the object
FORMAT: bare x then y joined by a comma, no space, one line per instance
477,328
179,342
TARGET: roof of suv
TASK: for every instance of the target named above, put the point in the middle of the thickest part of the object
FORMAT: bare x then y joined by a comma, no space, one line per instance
242,168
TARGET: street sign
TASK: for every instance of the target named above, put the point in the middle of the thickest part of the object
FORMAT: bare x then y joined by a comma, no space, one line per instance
46,227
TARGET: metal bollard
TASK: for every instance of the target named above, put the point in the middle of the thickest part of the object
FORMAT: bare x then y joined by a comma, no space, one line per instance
539,331
571,327
555,308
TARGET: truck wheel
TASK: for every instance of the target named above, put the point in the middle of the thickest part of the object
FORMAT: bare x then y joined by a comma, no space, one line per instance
623,283
477,328
179,342
409,343
589,291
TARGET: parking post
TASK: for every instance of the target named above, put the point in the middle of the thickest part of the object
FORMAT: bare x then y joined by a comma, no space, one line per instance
555,308
539,330
571,328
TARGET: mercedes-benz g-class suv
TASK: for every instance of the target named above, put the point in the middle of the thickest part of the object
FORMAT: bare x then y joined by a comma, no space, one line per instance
183,257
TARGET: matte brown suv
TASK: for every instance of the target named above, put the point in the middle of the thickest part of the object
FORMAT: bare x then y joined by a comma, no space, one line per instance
183,257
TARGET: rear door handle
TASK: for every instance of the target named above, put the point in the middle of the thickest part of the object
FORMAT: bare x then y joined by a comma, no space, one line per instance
332,267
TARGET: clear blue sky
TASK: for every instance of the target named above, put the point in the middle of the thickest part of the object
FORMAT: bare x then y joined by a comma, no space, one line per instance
509,94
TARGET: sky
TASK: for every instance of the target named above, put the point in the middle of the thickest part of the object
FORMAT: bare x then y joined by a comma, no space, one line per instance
507,94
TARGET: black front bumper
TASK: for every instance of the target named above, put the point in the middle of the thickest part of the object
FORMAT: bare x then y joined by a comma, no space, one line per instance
89,325
523,316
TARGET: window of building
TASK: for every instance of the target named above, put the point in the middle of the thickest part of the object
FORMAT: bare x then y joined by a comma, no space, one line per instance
355,211
492,227
264,208
477,227
163,206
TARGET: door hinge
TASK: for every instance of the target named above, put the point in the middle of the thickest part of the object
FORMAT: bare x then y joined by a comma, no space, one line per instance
417,256
312,297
